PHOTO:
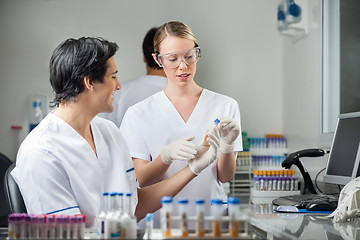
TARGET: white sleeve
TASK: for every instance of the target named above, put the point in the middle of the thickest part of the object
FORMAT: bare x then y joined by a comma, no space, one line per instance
44,184
131,129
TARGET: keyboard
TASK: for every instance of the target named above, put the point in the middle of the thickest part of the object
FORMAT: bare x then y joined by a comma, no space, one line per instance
300,201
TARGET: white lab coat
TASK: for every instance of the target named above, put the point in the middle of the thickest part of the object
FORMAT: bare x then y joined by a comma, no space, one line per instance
58,172
154,123
131,92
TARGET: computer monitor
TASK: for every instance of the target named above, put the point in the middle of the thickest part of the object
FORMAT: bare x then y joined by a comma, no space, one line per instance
344,158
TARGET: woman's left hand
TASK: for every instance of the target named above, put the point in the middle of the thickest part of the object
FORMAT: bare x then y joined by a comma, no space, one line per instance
229,131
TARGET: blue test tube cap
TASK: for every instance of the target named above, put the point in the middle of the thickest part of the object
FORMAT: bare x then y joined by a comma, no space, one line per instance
200,201
166,199
120,194
128,194
233,200
149,217
105,194
183,201
216,201
113,194
217,121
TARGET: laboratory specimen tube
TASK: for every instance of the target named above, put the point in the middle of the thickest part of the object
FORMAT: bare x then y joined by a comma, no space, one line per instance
184,221
234,212
216,213
200,217
166,212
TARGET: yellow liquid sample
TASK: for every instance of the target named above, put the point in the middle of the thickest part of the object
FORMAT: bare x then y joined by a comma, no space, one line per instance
234,228
200,229
216,228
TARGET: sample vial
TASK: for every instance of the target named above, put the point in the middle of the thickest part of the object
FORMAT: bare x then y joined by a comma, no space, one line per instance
81,226
200,217
128,220
101,218
216,212
216,121
59,226
234,212
11,226
50,222
149,225
166,212
74,227
42,226
184,221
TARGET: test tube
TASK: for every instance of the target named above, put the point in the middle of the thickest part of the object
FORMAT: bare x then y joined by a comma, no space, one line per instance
50,222
184,222
66,227
200,217
59,226
166,212
101,218
22,222
149,225
216,121
34,227
216,212
73,227
234,211
42,226
81,226
11,226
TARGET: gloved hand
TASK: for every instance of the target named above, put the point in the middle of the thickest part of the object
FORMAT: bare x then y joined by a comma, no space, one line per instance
229,131
207,152
182,149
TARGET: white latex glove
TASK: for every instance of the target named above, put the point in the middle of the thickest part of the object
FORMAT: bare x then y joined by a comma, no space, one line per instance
229,131
182,149
207,152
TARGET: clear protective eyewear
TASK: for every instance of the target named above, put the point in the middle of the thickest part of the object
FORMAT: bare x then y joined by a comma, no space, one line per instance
173,60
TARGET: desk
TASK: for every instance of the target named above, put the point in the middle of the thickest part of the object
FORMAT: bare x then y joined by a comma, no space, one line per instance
267,224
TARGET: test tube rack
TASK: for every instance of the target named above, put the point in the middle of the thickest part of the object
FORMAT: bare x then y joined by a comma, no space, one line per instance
242,220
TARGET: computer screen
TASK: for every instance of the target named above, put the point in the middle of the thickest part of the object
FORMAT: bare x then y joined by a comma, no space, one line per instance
344,158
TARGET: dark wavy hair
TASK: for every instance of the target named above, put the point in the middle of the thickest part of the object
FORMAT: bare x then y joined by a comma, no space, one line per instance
75,59
148,48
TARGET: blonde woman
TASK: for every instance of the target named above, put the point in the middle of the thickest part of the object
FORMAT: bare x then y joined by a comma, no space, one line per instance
185,111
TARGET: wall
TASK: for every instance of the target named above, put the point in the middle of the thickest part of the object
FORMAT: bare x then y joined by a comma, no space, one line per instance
242,52
302,91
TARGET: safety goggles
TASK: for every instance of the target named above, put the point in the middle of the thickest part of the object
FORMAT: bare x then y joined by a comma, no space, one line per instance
173,60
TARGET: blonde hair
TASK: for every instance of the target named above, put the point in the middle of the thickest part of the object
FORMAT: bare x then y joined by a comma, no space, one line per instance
174,28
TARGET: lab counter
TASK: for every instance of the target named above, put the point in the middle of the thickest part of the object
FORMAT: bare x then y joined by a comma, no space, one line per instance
264,223
267,224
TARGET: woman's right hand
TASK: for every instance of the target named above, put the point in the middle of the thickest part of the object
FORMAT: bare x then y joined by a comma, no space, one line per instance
182,149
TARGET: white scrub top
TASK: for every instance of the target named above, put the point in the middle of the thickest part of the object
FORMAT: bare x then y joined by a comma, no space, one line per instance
152,124
131,92
58,172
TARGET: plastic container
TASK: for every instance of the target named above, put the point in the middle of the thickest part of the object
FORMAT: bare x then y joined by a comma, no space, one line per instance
200,217
101,218
234,212
184,221
216,213
166,212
